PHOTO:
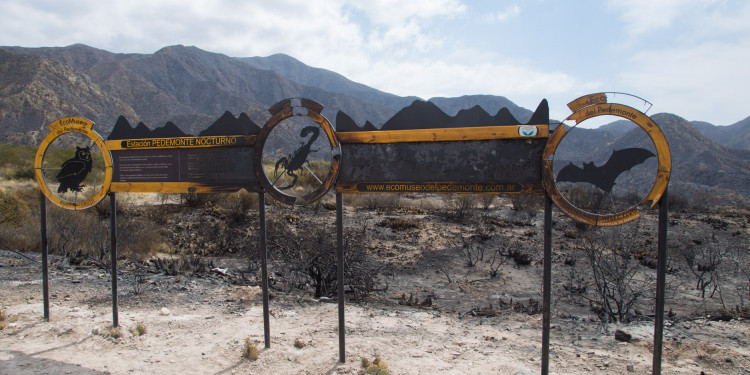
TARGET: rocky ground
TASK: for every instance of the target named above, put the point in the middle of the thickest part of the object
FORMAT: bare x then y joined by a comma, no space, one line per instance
437,315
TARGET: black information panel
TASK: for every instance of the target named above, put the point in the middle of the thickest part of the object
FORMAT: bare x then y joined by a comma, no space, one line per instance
200,165
493,161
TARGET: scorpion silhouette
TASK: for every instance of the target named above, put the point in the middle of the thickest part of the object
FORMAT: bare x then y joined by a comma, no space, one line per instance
297,159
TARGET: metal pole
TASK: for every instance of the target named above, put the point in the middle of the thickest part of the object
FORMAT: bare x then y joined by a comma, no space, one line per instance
660,281
546,289
45,270
113,235
264,266
340,245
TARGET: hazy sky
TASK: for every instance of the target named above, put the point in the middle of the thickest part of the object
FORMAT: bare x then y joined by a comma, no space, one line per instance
687,57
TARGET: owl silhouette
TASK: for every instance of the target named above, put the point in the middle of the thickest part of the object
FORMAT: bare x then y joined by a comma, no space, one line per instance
74,171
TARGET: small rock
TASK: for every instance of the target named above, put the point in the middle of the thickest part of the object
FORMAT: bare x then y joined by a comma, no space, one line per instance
631,368
165,311
623,336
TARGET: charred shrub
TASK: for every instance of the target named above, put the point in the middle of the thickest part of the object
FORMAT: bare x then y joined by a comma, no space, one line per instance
234,206
486,200
526,203
617,284
519,257
374,202
460,206
304,254
399,224
586,197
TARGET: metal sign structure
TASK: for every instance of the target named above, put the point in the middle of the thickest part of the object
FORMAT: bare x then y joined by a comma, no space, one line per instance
588,107
444,154
175,163
420,150
283,182
63,184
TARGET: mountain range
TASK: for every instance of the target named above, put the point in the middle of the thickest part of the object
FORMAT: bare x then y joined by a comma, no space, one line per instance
184,90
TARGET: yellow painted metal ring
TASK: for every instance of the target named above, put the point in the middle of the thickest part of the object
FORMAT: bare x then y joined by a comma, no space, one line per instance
70,125
281,111
629,113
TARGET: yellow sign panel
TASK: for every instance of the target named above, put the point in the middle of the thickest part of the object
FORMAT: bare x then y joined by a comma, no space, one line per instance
181,142
478,133
528,188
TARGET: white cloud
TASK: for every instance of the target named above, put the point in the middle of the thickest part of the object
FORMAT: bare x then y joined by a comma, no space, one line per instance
722,21
396,12
643,16
443,78
510,12
706,82
697,69
689,19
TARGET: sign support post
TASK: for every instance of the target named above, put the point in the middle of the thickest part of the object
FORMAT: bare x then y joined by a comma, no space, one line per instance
340,246
546,289
264,266
45,270
660,281
113,234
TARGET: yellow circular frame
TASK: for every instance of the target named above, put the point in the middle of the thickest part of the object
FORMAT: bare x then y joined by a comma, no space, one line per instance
629,113
73,125
281,111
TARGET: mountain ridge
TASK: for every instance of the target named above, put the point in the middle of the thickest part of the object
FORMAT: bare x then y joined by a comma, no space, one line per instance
184,90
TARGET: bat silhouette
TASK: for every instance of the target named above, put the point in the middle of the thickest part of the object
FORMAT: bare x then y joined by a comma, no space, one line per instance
73,171
604,177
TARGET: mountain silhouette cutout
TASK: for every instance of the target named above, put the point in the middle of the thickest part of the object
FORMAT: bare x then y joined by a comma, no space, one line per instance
344,123
426,115
123,130
169,130
227,124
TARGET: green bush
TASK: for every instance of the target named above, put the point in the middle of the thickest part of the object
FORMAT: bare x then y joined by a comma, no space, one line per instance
19,223
15,155
24,173
17,161
13,211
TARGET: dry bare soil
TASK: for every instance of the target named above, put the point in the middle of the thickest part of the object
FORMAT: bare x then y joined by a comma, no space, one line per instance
438,315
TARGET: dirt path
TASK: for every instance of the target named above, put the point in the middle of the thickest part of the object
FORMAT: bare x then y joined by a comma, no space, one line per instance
199,326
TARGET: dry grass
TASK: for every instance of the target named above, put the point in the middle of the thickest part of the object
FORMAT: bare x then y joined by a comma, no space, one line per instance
399,223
